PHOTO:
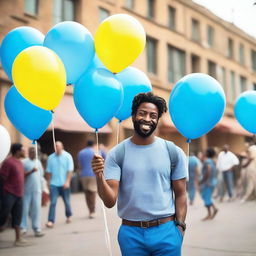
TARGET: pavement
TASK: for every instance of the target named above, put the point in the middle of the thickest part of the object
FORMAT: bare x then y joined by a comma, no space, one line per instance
231,233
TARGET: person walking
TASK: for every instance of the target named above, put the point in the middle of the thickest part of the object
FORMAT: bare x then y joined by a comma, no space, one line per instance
12,184
32,194
87,175
208,183
59,172
148,176
193,182
226,161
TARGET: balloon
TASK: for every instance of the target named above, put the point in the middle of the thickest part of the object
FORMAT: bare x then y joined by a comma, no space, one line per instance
134,81
245,111
5,143
196,104
74,45
98,95
96,63
15,42
27,118
119,40
40,77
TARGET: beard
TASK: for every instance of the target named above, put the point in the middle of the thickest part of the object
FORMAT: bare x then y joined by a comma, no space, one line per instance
142,132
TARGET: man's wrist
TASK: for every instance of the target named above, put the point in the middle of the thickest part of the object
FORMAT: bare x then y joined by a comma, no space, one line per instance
181,224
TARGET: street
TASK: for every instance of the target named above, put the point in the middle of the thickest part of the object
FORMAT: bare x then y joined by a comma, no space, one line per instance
231,233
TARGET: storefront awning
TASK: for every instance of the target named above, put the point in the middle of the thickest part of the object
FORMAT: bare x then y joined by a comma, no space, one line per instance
67,118
230,125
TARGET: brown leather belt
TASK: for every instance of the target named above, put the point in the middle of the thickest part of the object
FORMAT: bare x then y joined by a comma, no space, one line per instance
147,224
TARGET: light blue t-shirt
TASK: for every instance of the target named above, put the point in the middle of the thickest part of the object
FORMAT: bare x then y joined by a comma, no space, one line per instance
145,180
59,166
33,182
193,163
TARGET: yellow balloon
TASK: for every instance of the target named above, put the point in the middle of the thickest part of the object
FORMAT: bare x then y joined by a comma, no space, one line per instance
119,40
40,77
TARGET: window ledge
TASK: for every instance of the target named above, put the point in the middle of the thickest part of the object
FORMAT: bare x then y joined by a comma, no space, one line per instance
32,16
21,19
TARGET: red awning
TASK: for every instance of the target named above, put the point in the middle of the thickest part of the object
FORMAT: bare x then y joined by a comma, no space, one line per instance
67,118
230,125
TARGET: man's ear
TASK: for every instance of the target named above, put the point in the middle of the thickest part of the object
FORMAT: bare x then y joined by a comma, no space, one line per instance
133,117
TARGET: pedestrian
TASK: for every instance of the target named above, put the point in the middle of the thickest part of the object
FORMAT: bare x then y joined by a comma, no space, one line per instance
208,183
32,193
226,161
12,180
194,172
148,176
87,176
59,172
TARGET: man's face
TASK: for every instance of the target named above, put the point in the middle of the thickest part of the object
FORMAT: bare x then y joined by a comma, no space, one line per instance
145,120
21,153
32,153
59,147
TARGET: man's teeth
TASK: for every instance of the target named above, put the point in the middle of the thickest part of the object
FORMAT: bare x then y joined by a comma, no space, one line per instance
145,127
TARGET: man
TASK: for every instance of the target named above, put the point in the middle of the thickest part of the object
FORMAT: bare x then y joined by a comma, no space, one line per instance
33,193
87,175
226,161
12,180
144,182
59,172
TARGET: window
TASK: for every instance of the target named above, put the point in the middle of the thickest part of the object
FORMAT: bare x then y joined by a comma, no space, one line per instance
253,59
176,64
129,4
212,69
210,35
230,48
151,9
195,30
241,54
151,55
172,17
242,84
195,63
103,14
31,7
232,86
63,10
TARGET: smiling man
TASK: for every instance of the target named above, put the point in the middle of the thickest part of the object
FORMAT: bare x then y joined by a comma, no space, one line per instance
142,173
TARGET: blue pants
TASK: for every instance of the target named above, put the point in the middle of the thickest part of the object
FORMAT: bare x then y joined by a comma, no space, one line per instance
191,191
32,208
163,240
228,181
54,194
206,193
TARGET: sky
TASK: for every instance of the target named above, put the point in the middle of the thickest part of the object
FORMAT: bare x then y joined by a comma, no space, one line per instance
241,13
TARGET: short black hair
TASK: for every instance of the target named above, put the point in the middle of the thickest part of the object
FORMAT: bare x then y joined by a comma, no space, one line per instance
151,98
16,147
90,143
210,152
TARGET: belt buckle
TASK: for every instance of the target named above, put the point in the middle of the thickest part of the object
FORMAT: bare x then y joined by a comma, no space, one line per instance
144,226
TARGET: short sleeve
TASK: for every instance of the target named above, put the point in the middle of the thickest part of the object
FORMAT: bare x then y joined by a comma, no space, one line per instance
112,171
181,169
49,165
70,163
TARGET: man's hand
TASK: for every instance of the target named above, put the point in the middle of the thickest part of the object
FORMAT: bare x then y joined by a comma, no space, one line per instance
66,185
181,230
34,169
98,164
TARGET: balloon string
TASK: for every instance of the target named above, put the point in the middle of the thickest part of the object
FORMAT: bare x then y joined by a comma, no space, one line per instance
53,134
188,142
36,149
118,131
107,237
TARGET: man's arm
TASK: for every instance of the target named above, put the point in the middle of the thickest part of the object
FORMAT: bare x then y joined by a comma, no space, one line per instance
107,190
179,188
68,180
30,172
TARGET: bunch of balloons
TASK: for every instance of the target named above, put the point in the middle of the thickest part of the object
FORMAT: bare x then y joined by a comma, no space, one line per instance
41,66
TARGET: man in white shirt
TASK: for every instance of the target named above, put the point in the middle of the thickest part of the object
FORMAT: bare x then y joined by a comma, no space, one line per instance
226,161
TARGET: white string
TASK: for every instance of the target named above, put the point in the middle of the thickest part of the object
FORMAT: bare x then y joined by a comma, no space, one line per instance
53,134
107,237
36,149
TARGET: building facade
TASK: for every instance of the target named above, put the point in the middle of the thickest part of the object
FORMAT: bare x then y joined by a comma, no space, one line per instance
182,37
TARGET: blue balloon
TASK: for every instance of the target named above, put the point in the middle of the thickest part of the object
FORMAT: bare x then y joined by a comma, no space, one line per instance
96,63
134,81
15,42
98,95
75,46
27,118
245,111
196,104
